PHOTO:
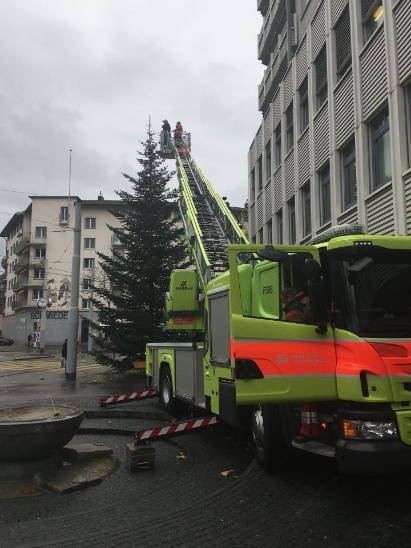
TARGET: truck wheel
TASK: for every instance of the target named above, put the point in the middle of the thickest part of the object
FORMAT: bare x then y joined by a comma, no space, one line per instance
166,389
268,438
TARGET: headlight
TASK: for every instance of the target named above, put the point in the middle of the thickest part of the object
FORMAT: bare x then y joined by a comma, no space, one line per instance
366,430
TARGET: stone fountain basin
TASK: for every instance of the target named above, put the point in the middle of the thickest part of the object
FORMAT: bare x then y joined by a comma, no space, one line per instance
29,433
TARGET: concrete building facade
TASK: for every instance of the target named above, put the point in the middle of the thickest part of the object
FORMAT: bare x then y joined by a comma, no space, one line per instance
39,263
334,143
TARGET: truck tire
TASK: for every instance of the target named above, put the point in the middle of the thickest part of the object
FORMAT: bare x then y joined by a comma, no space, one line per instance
166,390
268,438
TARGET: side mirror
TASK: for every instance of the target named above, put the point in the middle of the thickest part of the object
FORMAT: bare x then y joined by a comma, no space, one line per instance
359,266
270,254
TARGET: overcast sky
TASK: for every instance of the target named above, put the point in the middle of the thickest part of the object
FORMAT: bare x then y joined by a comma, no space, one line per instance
86,75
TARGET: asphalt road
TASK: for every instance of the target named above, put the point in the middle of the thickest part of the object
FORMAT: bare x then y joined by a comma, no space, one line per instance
188,502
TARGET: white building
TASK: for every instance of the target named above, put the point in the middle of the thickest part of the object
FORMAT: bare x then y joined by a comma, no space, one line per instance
334,145
39,262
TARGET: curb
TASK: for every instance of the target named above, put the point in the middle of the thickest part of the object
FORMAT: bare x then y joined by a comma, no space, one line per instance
36,357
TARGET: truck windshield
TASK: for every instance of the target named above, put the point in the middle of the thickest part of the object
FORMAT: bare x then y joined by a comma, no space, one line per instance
372,298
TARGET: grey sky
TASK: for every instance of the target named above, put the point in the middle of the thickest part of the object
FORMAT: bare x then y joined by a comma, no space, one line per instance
87,74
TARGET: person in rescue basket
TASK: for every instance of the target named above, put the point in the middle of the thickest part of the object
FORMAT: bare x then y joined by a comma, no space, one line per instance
166,132
297,309
178,134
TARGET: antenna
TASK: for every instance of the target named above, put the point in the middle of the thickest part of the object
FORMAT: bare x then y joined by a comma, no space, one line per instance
69,179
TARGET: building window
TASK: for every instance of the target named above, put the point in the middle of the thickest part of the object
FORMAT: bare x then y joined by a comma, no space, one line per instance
86,283
260,236
325,195
268,161
41,232
270,231
115,237
85,304
253,185
343,41
89,243
381,149
306,195
278,157
90,222
292,226
372,12
63,217
279,226
349,175
39,273
88,263
260,173
290,127
39,252
37,294
303,91
321,80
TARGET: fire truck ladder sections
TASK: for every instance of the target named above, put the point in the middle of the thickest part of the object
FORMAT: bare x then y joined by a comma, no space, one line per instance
175,429
209,224
125,398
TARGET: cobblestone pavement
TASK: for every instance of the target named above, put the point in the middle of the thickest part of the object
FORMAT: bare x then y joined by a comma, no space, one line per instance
187,502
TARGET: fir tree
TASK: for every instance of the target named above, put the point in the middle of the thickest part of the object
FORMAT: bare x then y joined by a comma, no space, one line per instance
130,302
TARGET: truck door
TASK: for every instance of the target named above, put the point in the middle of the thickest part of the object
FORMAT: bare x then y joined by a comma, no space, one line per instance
276,349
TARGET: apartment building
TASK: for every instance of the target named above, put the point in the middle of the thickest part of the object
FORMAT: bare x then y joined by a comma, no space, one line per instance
39,263
334,145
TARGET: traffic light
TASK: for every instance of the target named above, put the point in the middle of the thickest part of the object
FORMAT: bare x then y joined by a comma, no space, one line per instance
35,326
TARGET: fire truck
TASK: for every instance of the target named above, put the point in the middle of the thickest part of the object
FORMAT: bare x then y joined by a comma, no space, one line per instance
247,365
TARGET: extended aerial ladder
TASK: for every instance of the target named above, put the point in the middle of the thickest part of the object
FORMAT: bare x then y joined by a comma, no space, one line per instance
208,221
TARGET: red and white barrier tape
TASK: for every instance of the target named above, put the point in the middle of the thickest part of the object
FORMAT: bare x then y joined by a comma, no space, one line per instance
112,400
178,427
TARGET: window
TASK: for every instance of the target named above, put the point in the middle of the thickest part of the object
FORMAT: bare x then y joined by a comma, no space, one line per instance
90,222
381,149
372,13
86,283
253,184
290,127
304,104
41,232
270,232
278,145
260,173
292,226
325,195
89,243
321,80
63,217
39,252
39,273
349,175
88,263
279,226
268,161
260,236
343,41
85,304
37,294
306,195
115,237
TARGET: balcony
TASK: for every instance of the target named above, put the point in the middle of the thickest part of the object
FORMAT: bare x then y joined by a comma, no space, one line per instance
274,22
274,73
24,282
22,244
262,6
19,304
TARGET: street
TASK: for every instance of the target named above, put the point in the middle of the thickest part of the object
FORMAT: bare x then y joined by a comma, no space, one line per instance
206,488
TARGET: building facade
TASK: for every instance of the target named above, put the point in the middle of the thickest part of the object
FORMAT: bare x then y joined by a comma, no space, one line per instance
334,143
39,264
